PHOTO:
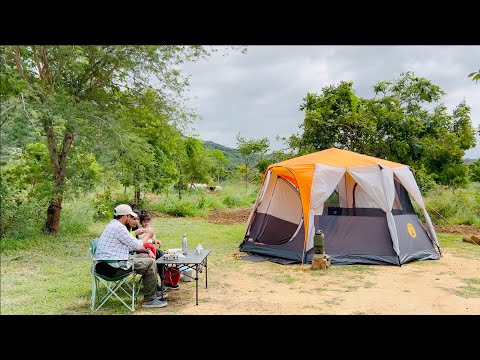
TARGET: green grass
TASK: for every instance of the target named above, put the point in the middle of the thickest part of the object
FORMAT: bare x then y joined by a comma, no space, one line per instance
458,247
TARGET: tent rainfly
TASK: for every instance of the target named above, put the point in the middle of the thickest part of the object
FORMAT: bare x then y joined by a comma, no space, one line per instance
361,204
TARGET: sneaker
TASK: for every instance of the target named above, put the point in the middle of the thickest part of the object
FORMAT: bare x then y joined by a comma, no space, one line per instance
172,287
156,303
160,289
159,295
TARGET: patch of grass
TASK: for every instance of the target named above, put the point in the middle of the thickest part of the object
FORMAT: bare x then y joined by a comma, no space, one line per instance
458,247
333,301
350,288
467,291
368,285
472,280
284,278
319,272
347,270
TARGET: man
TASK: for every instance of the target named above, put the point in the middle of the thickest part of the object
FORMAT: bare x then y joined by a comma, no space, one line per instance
112,255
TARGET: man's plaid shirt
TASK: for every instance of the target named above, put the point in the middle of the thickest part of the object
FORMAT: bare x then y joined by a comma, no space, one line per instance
115,243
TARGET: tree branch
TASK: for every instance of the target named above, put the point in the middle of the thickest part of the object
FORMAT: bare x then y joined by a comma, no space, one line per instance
58,72
52,143
46,67
39,67
67,143
16,59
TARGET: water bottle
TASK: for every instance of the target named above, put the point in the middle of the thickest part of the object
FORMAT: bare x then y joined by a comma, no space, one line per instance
184,244
319,242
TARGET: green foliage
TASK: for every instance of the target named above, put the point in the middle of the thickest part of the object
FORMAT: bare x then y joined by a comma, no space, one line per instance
77,216
219,164
396,125
181,208
202,201
233,155
79,97
475,75
21,217
249,149
233,201
474,171
197,162
461,206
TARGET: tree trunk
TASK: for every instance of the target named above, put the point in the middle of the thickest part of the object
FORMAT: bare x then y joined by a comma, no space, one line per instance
58,159
137,197
136,179
53,216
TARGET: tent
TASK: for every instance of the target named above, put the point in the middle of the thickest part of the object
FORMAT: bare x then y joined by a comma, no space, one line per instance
361,203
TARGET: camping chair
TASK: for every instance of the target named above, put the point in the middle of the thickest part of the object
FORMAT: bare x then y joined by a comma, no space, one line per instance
125,282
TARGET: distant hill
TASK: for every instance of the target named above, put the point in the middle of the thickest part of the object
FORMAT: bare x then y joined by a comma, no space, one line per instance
232,154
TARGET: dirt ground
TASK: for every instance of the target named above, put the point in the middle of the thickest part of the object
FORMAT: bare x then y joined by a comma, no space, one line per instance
450,285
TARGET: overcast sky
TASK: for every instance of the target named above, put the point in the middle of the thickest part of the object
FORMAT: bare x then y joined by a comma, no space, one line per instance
258,94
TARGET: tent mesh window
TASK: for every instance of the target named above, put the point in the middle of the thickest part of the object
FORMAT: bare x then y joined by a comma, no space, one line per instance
363,204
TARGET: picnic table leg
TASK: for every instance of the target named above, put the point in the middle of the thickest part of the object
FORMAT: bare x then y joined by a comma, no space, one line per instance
206,272
162,281
196,280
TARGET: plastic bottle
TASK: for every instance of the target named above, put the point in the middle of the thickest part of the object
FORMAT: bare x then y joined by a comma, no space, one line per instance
184,244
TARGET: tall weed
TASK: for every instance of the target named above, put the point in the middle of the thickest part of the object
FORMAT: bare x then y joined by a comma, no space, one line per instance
460,206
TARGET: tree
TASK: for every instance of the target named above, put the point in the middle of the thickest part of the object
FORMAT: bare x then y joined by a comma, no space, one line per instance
219,163
395,125
71,93
197,162
249,149
474,170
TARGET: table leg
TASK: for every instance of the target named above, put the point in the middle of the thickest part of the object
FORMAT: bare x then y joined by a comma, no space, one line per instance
196,280
162,282
206,272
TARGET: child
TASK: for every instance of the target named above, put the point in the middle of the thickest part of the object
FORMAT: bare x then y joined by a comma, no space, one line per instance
171,275
145,228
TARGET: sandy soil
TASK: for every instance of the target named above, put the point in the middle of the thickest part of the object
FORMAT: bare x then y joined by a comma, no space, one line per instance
432,287
450,285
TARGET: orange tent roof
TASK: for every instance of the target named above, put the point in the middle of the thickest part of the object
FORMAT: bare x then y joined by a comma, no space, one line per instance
336,157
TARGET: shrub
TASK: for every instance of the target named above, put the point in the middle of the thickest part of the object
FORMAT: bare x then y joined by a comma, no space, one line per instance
76,217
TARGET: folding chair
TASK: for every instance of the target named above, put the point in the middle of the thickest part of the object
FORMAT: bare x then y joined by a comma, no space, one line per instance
125,282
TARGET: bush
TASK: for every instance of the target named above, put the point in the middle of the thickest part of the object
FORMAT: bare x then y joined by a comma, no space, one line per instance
22,217
181,208
461,206
232,201
76,217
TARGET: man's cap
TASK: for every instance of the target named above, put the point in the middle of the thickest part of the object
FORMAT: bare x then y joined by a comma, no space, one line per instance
124,209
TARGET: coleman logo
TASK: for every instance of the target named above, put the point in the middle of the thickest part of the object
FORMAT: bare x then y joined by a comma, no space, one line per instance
411,230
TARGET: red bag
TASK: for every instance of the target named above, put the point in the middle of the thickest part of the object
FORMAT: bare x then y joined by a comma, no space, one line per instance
172,275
